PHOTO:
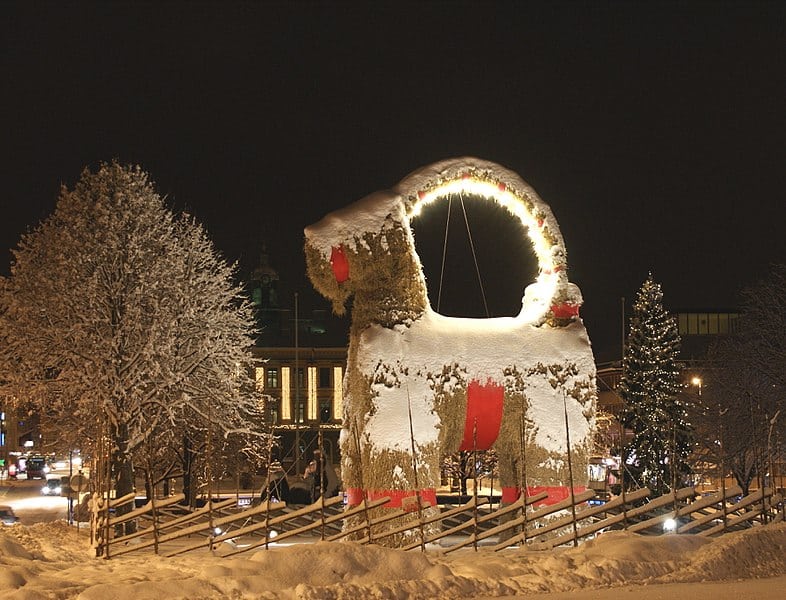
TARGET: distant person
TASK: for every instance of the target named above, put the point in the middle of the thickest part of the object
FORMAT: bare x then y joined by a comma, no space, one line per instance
310,476
325,480
278,486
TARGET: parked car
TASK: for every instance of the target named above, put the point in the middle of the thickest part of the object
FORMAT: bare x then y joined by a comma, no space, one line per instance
7,516
53,487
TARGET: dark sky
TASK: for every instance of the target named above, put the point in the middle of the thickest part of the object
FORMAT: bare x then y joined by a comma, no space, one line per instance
655,131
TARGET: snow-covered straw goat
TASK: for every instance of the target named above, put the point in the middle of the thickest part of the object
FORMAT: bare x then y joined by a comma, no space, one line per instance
452,383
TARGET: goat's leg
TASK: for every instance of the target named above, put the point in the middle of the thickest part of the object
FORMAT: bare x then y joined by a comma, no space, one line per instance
510,481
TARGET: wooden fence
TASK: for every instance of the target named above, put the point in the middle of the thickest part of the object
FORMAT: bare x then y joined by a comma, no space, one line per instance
221,526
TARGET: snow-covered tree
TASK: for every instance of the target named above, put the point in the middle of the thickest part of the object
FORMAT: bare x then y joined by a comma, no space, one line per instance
650,386
461,466
731,427
762,329
764,316
745,416
121,316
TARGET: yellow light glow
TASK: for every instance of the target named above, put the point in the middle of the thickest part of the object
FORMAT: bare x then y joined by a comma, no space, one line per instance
312,394
696,381
259,378
504,197
535,224
338,393
286,406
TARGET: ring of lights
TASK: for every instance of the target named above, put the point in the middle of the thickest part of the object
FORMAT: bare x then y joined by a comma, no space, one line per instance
487,180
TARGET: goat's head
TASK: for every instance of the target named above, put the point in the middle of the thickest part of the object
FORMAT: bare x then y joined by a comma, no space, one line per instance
368,246
364,247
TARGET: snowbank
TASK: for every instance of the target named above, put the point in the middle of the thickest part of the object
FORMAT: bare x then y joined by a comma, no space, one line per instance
51,561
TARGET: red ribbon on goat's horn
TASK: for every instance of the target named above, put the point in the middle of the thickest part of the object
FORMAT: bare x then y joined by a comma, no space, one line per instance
339,264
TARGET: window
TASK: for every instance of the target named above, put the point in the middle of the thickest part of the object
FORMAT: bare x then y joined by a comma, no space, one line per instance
324,377
693,324
286,406
712,323
683,323
338,394
272,378
312,393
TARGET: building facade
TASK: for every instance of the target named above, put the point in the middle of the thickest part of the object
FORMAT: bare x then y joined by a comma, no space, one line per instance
304,400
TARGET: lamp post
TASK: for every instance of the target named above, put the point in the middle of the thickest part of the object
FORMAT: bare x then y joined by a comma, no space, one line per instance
696,381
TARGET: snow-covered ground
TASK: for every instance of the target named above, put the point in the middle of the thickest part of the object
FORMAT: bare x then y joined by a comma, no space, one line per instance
50,560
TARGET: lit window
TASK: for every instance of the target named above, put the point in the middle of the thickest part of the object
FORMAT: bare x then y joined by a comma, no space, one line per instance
683,323
286,408
338,394
312,394
713,323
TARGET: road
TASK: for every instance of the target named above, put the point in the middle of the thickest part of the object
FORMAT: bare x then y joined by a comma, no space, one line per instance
25,497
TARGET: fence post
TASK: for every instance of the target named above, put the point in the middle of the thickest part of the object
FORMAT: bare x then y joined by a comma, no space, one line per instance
415,469
322,484
570,473
155,520
108,458
361,479
523,476
267,487
623,492
475,484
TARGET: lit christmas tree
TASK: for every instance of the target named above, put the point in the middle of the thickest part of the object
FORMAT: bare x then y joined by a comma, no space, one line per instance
650,386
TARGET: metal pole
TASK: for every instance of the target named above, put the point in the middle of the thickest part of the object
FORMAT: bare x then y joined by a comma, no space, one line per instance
297,391
70,491
622,362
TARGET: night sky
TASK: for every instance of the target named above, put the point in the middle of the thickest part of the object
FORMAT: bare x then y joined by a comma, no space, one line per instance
655,131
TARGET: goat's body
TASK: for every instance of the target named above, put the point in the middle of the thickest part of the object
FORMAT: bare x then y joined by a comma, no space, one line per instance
421,366
409,369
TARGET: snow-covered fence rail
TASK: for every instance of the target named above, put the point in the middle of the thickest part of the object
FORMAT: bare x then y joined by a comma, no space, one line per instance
223,527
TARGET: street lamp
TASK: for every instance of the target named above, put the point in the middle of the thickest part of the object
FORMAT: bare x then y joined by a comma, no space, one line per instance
697,382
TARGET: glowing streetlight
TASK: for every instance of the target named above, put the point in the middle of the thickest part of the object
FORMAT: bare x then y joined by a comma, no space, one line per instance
697,382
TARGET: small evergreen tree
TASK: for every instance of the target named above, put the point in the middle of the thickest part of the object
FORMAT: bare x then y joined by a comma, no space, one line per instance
650,386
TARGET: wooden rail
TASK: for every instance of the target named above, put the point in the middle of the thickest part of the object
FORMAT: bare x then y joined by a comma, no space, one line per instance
511,525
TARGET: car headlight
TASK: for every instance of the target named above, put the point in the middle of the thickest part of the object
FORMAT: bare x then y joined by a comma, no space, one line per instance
57,490
45,490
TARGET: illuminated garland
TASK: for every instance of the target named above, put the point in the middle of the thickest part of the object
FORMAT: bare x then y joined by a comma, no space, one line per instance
542,229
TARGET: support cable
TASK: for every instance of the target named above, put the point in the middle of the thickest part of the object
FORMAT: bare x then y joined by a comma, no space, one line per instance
444,254
474,257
